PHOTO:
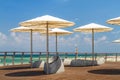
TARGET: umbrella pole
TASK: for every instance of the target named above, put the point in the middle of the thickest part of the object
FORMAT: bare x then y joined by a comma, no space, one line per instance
47,48
92,46
31,47
56,44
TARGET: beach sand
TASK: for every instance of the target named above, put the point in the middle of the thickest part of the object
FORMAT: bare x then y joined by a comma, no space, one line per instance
107,71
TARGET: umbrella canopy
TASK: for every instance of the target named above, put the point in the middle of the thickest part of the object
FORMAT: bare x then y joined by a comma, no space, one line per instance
115,21
58,32
47,21
52,22
27,29
31,30
116,41
92,28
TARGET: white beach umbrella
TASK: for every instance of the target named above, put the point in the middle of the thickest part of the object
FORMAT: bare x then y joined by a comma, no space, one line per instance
47,22
115,21
30,30
92,28
116,41
58,32
50,21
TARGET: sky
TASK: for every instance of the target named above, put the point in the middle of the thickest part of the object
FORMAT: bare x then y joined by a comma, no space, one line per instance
81,12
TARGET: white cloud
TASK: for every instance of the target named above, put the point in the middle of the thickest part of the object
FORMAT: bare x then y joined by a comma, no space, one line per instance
83,42
20,39
76,19
15,42
21,42
101,39
116,32
3,36
87,40
16,37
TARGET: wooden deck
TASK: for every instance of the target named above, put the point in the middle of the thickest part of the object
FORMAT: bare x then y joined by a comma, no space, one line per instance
107,71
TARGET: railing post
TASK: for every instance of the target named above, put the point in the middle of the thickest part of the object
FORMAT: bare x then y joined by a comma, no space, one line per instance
5,58
95,56
85,62
39,56
13,58
66,54
116,57
22,57
105,57
85,56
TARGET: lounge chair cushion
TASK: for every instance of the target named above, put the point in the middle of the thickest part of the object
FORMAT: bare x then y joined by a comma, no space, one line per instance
80,62
38,64
67,61
56,66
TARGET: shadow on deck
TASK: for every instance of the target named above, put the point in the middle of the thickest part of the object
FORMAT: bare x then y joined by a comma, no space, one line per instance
106,71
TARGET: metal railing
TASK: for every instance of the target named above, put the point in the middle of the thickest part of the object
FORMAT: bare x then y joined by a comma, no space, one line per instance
11,58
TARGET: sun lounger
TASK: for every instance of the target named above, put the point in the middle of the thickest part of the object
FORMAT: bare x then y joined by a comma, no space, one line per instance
38,64
79,62
67,61
100,61
55,65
